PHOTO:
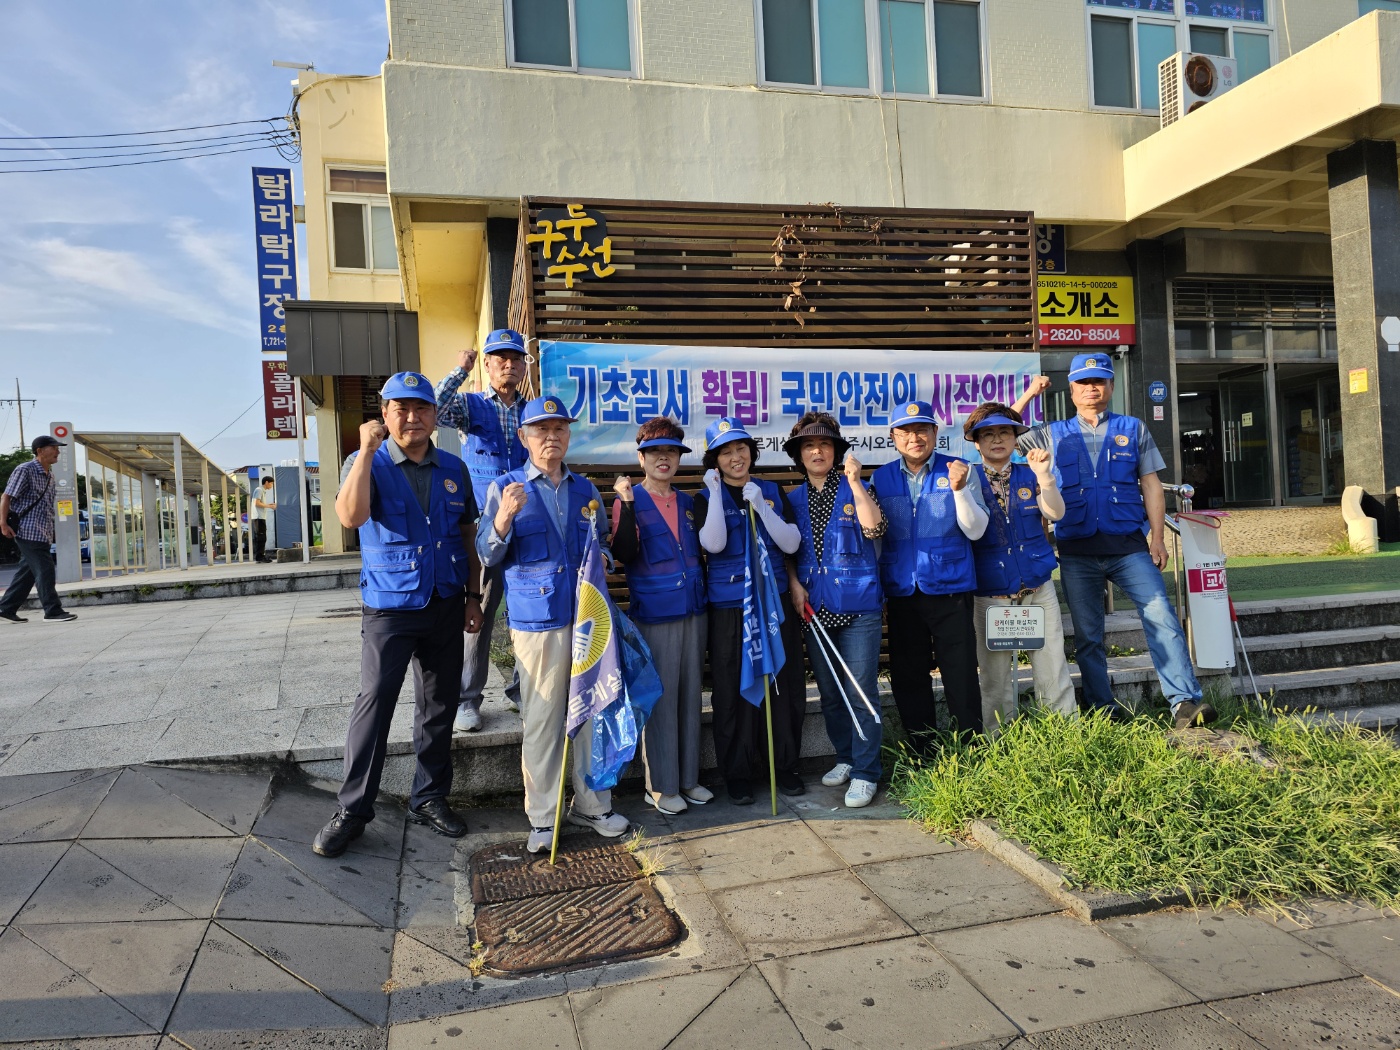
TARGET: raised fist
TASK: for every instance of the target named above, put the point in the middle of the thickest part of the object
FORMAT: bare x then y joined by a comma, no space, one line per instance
623,487
852,469
712,481
513,499
1038,386
466,359
372,435
1038,460
753,494
957,474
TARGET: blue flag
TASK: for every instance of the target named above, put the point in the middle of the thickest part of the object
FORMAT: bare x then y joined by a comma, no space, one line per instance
596,676
762,652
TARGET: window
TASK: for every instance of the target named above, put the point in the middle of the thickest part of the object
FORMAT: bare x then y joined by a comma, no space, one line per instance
1129,39
1367,6
362,227
590,36
905,47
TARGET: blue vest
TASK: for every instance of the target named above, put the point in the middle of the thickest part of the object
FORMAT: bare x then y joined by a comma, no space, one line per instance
541,567
1103,496
404,554
847,579
1014,552
725,570
924,549
665,579
486,448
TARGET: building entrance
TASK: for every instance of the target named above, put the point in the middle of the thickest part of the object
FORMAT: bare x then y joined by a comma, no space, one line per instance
1310,404
1223,415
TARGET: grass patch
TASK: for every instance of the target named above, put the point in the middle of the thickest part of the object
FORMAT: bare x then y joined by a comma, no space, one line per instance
1119,808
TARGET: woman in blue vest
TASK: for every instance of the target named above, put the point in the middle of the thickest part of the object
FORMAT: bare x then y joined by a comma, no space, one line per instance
836,578
656,536
730,453
1015,562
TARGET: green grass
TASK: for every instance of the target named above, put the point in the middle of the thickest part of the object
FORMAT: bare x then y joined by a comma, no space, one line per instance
1119,808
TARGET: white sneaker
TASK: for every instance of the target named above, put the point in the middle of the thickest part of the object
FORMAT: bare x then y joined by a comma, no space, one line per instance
698,795
540,839
859,794
840,773
610,825
468,719
671,804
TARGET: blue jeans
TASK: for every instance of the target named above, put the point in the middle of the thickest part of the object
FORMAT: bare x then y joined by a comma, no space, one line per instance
1083,577
859,646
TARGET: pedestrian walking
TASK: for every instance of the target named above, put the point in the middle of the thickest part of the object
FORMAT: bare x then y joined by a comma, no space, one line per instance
836,580
26,516
534,524
656,537
927,571
412,504
1015,563
1112,530
738,726
488,425
258,508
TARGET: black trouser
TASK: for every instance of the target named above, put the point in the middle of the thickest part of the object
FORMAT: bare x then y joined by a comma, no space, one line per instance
739,731
36,569
430,637
259,539
928,630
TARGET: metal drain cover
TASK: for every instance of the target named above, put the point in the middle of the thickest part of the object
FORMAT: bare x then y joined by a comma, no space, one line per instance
579,928
505,872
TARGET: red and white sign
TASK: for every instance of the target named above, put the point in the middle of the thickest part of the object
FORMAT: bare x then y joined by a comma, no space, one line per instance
279,400
1201,581
60,431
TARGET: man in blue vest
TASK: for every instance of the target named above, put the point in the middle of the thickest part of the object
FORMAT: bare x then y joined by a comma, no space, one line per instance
487,424
926,570
534,524
1115,511
413,506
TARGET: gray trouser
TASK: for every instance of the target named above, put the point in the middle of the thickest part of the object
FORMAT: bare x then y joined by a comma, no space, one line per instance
1049,670
671,739
36,570
476,657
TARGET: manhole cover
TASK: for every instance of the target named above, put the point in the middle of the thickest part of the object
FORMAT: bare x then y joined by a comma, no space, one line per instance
505,872
579,928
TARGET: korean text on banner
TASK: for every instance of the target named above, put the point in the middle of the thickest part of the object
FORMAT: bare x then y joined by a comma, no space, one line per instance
612,388
279,400
275,233
1085,311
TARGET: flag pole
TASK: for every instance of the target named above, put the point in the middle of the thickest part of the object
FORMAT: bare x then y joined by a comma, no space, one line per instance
767,702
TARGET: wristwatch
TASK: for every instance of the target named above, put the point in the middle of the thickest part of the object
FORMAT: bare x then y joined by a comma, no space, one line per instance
472,595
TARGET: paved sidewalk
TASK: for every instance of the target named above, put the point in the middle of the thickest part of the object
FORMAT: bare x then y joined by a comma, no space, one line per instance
152,901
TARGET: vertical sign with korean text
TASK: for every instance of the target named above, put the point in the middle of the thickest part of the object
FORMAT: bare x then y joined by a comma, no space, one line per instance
1049,248
279,400
275,233
1085,311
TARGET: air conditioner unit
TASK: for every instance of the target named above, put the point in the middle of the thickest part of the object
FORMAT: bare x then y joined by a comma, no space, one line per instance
1187,82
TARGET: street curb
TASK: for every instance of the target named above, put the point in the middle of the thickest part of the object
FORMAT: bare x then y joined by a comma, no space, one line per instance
1087,904
137,591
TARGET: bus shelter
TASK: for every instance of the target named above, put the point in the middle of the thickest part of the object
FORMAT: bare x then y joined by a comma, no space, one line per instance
150,500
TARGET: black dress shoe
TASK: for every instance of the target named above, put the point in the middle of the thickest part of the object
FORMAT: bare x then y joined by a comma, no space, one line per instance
1189,715
438,815
791,784
740,792
344,828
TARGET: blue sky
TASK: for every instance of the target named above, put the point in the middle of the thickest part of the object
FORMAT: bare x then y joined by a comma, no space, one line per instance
128,298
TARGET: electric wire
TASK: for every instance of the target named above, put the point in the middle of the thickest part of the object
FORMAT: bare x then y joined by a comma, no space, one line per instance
280,147
236,418
128,134
271,139
208,139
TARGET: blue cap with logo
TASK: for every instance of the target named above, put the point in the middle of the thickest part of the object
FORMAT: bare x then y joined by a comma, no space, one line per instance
914,412
542,408
404,385
1090,366
723,431
503,340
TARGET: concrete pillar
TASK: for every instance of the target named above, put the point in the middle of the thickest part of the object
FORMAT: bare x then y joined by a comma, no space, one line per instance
228,519
208,516
1151,359
181,533
1363,197
150,518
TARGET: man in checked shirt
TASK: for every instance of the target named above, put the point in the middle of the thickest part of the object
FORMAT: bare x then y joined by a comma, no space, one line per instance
490,446
29,495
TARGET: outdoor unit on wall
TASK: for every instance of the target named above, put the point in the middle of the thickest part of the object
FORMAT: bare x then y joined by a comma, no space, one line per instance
1188,81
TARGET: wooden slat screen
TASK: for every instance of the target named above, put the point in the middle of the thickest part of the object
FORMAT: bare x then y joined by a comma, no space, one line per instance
812,275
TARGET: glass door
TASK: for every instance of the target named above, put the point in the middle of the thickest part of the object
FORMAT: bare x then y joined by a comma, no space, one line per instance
1244,412
1312,436
1334,475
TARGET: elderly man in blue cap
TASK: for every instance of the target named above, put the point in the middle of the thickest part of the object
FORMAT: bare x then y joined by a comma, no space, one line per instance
487,423
534,524
1112,529
413,506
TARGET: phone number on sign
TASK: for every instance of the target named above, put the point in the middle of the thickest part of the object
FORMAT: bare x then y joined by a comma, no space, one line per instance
1084,334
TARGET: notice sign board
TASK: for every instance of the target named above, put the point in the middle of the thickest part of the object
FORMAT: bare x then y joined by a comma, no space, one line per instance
1015,627
1085,311
275,235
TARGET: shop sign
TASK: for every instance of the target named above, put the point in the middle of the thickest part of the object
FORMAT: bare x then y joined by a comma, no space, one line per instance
612,388
1049,248
573,243
275,234
279,401
1085,311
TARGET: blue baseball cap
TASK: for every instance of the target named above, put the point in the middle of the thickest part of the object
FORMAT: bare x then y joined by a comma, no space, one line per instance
664,442
1000,421
1090,366
503,340
402,386
914,412
723,431
542,408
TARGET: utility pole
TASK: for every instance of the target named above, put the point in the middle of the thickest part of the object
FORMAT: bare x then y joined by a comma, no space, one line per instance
18,402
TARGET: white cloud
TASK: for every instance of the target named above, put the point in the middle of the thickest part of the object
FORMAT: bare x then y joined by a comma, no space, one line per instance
226,258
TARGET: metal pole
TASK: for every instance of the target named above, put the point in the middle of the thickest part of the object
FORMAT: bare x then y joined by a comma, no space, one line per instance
92,518
207,511
228,525
121,518
180,530
19,406
559,804
303,498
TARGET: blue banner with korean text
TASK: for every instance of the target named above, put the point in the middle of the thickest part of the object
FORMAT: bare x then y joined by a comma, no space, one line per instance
613,387
275,233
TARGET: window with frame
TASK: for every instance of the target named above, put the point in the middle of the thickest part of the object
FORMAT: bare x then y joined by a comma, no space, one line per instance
586,36
893,47
1367,6
362,226
1129,39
